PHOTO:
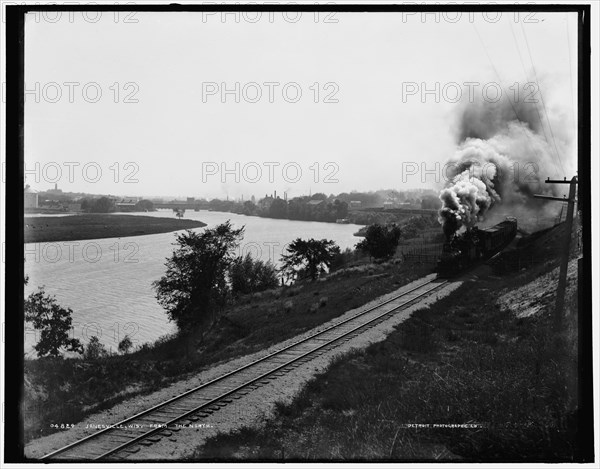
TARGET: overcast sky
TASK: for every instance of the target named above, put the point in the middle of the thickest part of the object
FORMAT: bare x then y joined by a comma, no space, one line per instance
160,122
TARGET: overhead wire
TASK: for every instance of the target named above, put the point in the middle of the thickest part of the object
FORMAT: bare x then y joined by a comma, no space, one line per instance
542,125
500,82
494,68
542,99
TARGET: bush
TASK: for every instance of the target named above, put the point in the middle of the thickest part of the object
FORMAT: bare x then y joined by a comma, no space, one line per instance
380,241
344,258
250,276
125,345
95,349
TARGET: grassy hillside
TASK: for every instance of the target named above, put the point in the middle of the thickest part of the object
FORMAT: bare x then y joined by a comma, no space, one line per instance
58,390
474,377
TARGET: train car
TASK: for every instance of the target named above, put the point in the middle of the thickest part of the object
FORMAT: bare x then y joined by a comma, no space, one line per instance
473,245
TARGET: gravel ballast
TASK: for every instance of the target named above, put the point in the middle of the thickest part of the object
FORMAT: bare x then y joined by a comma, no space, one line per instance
252,409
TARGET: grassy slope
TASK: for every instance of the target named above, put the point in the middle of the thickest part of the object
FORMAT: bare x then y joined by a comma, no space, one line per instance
95,226
463,360
68,390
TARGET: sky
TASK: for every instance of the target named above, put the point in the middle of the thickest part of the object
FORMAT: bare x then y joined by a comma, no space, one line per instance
212,105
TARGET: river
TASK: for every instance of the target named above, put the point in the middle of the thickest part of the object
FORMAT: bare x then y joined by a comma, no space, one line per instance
108,282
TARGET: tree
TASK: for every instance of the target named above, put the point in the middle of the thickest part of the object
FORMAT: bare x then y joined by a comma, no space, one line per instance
53,322
312,256
102,205
145,205
125,345
341,208
430,202
195,284
249,208
380,241
248,275
278,208
95,349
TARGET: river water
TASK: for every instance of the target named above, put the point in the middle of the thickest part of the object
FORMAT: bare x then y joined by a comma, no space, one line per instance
108,282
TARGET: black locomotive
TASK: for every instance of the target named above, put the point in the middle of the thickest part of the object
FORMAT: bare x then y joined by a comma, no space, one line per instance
473,245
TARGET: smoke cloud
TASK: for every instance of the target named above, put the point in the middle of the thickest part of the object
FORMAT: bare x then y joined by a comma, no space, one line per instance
502,159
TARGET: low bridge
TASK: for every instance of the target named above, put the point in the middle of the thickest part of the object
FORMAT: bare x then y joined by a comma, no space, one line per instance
181,206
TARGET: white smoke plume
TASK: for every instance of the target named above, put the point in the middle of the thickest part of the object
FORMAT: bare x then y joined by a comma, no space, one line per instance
502,159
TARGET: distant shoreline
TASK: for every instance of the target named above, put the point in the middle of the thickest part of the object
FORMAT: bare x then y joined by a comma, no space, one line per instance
97,226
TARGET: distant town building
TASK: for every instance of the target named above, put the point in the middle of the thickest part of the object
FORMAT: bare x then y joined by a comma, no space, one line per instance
355,203
30,197
388,204
125,207
56,190
126,204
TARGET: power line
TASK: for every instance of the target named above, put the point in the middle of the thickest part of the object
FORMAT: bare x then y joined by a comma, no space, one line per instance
495,69
537,110
542,99
570,68
509,101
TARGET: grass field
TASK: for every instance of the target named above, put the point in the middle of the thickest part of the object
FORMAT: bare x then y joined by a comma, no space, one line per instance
96,226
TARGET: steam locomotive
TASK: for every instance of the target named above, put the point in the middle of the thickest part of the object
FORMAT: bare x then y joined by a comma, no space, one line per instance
473,245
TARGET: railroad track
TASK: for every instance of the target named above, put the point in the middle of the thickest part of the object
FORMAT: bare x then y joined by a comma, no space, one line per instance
148,427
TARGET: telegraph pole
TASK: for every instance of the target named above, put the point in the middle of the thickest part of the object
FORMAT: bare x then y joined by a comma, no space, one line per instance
564,263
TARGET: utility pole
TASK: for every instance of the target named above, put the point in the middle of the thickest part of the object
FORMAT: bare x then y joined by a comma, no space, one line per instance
564,263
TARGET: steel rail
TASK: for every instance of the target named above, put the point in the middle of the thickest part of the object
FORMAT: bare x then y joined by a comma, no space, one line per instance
184,415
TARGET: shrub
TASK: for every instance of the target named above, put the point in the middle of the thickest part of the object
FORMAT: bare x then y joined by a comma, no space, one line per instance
248,275
95,349
380,241
125,345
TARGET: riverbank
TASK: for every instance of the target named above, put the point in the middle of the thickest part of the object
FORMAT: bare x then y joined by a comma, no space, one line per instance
97,226
68,390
